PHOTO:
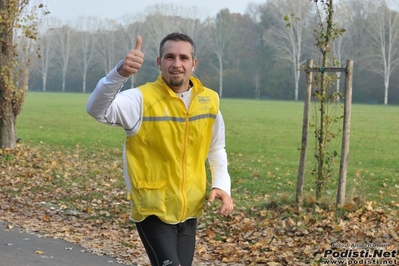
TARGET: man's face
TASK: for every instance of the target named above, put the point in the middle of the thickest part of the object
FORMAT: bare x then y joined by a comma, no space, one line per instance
177,64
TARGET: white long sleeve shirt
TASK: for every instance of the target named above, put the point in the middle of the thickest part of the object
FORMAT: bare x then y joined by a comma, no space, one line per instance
109,105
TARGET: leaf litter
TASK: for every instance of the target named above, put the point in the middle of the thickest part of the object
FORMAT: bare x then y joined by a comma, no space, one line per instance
79,196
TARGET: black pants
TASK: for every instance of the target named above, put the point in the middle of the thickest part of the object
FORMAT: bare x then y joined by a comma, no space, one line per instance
168,244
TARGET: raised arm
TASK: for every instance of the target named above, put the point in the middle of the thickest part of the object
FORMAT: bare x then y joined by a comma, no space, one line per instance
109,106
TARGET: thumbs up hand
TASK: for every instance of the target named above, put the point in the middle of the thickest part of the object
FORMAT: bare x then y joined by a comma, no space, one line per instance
133,61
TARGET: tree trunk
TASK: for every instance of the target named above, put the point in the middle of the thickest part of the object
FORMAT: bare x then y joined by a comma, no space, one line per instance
84,82
297,74
386,86
220,77
44,81
8,138
322,135
11,98
8,100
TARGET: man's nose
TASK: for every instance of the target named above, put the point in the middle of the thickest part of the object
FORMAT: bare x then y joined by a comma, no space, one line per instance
177,63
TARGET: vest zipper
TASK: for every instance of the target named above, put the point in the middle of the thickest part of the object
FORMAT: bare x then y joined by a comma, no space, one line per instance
184,155
183,166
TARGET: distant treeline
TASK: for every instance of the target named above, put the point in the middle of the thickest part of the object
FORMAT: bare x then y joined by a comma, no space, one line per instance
251,55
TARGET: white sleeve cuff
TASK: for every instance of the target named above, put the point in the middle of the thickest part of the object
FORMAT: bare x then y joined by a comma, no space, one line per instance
220,177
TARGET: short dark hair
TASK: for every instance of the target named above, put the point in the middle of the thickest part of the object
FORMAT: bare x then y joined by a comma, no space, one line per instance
176,36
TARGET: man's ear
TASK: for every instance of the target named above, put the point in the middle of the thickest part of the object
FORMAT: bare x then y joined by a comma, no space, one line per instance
194,64
159,62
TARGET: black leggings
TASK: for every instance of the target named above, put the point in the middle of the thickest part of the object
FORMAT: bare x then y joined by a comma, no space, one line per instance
168,244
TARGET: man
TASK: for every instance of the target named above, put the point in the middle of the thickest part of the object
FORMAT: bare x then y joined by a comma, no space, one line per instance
172,125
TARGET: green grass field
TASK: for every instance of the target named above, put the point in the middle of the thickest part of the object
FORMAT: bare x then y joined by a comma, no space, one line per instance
263,138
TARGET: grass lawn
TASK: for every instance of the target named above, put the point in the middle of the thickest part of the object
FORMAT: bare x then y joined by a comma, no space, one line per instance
263,138
65,180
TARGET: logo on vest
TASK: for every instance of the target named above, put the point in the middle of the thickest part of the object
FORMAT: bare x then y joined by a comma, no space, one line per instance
166,111
204,103
204,99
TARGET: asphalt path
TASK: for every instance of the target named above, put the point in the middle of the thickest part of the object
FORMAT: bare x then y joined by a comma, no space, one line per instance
20,248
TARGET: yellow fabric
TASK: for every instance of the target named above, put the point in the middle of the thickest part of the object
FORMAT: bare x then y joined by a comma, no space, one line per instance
166,158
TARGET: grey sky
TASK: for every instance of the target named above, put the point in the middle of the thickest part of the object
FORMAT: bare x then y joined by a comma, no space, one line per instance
71,9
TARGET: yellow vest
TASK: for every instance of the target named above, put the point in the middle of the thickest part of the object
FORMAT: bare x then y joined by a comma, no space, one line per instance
166,158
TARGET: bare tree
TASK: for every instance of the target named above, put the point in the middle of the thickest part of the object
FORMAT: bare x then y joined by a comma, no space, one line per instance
107,43
340,45
254,13
26,48
220,34
287,35
86,40
47,51
383,39
63,47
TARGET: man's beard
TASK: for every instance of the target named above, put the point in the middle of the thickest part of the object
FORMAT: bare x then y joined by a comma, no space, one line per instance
175,82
